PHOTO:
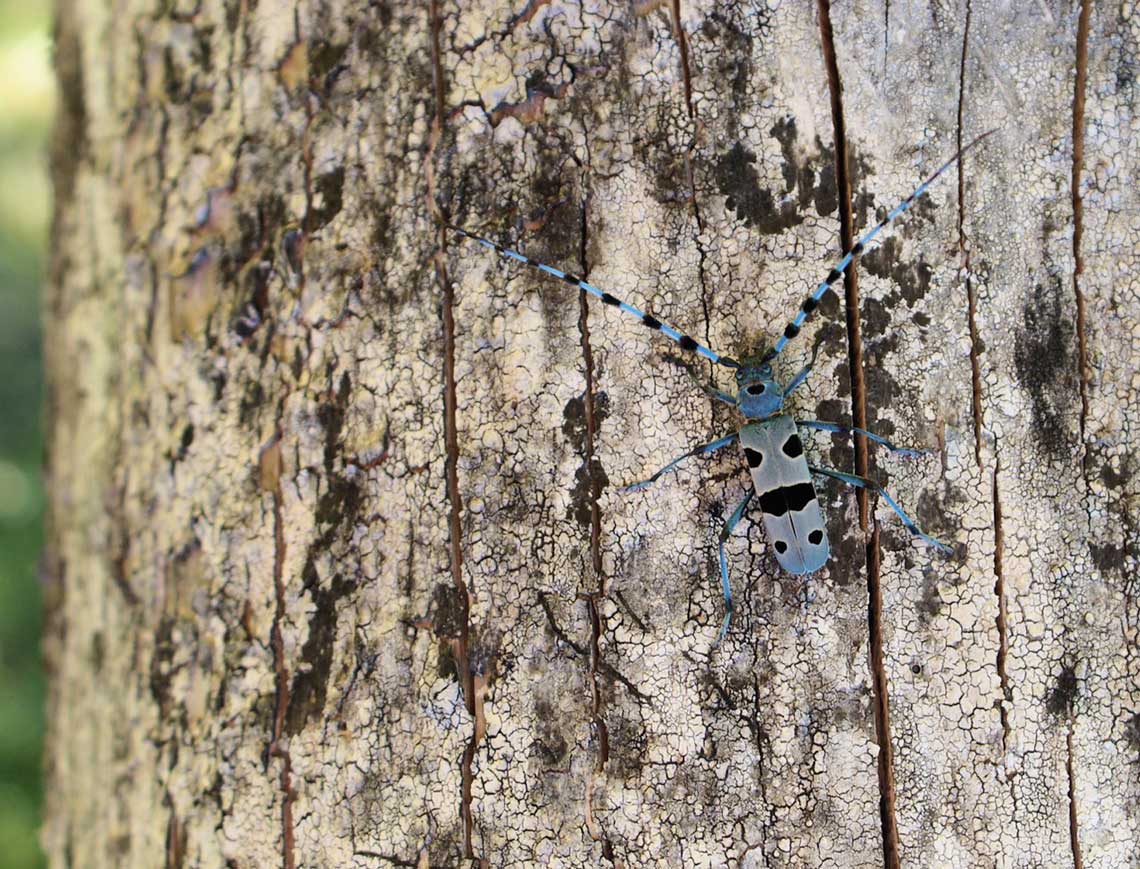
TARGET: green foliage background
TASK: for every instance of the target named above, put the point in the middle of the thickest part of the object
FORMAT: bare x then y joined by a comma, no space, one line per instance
26,107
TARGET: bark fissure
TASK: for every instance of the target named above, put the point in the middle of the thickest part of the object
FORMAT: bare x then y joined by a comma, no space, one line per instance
271,468
964,250
590,408
1003,615
597,719
1079,95
1078,206
885,760
1074,831
451,438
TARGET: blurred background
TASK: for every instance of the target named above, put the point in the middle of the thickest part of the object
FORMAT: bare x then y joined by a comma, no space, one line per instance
26,105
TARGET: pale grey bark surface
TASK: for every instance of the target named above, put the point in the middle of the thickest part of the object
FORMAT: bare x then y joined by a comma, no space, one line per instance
341,573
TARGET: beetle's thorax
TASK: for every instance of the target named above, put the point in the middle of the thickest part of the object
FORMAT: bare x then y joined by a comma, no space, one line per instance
758,394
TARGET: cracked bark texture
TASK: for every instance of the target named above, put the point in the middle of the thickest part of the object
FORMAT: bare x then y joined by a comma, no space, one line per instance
340,571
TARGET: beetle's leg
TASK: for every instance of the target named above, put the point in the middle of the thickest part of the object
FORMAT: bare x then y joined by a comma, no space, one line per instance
729,525
702,450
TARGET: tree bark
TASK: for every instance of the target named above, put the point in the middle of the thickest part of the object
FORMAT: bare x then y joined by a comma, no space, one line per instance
340,570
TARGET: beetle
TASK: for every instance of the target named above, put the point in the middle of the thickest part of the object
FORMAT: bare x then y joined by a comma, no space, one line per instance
782,477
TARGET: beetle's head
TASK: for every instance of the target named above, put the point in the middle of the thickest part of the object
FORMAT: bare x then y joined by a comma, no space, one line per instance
758,395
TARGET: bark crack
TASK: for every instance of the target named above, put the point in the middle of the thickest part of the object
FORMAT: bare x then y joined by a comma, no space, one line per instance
1080,87
271,480
1003,615
964,249
1078,205
460,646
1074,833
885,760
597,719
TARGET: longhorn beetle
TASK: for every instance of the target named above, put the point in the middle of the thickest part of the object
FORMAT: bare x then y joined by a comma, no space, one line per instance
781,474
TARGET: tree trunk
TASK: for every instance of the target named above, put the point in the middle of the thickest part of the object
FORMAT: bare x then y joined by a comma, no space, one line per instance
341,569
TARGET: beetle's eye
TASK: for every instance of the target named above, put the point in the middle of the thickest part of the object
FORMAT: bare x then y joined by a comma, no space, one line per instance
755,389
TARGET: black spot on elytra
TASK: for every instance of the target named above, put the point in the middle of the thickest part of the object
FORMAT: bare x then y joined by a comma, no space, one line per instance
781,546
1045,362
794,498
912,279
755,457
739,181
816,537
793,447
1064,694
310,686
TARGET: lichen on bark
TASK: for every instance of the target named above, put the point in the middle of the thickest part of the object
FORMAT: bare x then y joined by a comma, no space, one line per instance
340,567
